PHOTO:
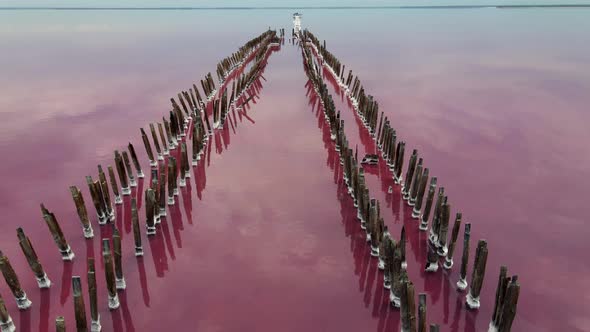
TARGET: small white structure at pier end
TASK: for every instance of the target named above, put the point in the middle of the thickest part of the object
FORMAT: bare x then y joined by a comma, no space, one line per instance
296,23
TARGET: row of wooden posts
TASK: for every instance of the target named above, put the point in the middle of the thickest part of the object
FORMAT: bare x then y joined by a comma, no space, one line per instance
414,188
172,134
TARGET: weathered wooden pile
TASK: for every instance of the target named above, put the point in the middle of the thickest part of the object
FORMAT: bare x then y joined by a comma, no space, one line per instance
414,187
170,169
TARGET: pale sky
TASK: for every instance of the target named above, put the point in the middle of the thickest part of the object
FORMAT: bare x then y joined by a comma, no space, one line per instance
267,3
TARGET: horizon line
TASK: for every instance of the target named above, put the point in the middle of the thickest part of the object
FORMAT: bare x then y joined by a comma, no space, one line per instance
304,7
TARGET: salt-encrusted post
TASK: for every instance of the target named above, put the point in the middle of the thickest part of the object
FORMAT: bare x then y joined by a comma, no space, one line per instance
426,214
509,306
114,185
135,160
93,297
432,258
479,270
433,235
454,235
408,306
388,248
58,237
22,301
82,212
434,328
445,214
396,275
132,181
422,312
402,245
184,169
60,324
150,204
110,275
163,139
156,143
119,278
79,307
162,192
413,192
462,283
6,323
125,189
171,182
27,248
499,299
104,190
409,175
96,193
417,201
399,162
148,148
136,229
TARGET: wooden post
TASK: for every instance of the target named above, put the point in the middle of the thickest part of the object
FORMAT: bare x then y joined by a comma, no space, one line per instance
454,235
110,275
388,248
136,230
479,270
27,248
445,215
171,139
433,236
434,328
499,299
135,160
162,192
426,214
413,192
156,143
402,245
422,312
163,139
132,181
58,237
125,189
399,162
79,307
171,181
13,283
462,283
184,168
96,193
509,306
60,324
409,175
408,306
396,277
6,323
150,204
114,185
156,188
104,189
432,258
118,255
93,297
148,148
417,211
82,212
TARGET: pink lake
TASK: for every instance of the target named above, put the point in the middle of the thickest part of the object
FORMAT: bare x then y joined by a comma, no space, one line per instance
264,238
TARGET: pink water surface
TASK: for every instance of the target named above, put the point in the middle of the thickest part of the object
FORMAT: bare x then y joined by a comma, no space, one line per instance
264,237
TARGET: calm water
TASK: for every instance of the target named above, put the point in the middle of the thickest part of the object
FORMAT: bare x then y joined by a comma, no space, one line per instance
264,238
